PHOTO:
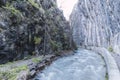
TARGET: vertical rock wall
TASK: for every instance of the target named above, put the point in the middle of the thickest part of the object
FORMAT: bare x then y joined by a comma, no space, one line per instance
96,22
32,27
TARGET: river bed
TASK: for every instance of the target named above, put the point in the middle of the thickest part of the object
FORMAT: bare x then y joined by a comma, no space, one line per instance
83,65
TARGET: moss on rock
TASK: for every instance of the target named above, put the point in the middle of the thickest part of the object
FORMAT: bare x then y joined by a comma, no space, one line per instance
110,49
12,74
32,28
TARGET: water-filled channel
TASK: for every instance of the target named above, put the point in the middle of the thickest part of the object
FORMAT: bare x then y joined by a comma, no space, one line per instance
83,65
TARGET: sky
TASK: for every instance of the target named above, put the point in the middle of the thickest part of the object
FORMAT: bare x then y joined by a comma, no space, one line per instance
66,6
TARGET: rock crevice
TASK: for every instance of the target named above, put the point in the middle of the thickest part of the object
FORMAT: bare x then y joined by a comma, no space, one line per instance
96,23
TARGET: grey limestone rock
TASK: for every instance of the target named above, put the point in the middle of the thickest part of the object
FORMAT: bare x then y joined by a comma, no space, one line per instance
96,22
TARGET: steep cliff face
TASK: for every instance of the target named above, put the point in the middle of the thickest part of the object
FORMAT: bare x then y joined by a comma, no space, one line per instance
32,27
96,23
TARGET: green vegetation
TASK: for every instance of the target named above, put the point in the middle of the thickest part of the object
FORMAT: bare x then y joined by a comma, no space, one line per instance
29,32
10,70
106,77
14,13
56,46
12,9
32,2
36,60
12,74
37,40
36,5
9,63
110,49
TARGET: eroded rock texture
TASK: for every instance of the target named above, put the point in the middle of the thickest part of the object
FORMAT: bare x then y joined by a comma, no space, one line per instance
32,27
96,23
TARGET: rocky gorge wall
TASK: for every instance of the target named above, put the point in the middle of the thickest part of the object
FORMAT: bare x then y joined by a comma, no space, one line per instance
32,27
97,23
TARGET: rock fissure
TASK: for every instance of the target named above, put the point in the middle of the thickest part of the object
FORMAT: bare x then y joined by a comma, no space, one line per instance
97,21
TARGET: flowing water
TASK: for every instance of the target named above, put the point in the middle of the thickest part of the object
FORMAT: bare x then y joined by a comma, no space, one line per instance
83,65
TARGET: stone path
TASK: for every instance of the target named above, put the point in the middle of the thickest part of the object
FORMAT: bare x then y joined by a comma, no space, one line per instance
112,68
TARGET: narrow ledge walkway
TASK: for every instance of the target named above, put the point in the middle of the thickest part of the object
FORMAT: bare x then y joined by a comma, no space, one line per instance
112,68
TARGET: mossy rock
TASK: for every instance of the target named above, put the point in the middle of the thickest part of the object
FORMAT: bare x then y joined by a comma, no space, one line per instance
32,2
110,49
56,46
11,8
12,74
37,40
106,76
36,60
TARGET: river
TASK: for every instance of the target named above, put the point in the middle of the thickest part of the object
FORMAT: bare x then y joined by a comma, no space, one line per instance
83,65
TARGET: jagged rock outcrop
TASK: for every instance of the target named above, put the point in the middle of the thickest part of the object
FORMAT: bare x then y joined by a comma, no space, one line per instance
96,22
32,27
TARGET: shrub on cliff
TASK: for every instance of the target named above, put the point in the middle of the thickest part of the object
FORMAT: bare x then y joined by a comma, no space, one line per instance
32,28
